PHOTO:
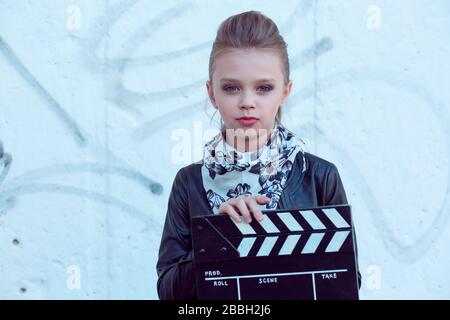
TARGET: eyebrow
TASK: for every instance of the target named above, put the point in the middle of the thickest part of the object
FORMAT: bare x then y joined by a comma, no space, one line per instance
236,80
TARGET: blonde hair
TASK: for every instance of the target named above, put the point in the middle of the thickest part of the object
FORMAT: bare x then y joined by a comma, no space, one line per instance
248,30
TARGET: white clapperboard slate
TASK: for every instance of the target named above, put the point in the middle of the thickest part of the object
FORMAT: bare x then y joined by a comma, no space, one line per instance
305,253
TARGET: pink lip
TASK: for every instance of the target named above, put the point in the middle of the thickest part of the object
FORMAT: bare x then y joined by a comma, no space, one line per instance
248,121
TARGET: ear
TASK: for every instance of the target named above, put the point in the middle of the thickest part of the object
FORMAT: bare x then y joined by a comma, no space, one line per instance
210,90
287,91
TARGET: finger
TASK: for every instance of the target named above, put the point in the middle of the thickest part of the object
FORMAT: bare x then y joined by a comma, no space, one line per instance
241,205
227,209
254,208
262,199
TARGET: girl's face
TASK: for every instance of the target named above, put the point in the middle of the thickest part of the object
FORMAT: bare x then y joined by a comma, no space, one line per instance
248,83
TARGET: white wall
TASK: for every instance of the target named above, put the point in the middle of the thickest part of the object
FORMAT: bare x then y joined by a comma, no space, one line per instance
91,92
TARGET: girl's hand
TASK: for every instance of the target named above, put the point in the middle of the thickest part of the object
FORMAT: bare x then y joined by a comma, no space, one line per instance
244,205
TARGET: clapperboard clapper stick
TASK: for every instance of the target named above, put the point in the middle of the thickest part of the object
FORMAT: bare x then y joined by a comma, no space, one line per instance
305,253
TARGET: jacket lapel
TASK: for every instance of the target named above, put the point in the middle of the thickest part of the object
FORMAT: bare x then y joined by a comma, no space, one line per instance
292,186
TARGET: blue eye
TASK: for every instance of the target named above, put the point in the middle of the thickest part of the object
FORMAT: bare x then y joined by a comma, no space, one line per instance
226,88
266,88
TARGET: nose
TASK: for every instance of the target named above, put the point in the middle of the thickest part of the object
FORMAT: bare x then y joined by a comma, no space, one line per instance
247,102
245,107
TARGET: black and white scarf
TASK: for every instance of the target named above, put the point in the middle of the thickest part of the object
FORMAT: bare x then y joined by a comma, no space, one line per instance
228,172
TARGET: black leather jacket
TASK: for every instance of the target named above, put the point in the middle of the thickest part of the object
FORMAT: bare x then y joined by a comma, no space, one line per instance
319,185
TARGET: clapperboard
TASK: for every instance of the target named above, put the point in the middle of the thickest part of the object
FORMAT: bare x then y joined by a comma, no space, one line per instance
306,253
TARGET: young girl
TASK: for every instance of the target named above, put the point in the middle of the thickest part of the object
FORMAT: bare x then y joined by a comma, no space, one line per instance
254,163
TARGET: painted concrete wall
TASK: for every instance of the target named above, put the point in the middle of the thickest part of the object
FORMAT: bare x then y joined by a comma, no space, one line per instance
95,95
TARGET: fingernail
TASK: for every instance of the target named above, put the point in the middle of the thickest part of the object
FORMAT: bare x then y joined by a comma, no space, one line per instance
249,220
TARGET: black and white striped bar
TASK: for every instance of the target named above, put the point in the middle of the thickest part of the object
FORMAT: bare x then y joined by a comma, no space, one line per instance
275,225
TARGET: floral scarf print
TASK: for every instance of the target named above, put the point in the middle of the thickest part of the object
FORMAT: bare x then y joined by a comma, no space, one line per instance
228,172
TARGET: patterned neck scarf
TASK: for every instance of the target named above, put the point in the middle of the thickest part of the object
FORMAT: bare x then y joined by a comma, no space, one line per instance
228,172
